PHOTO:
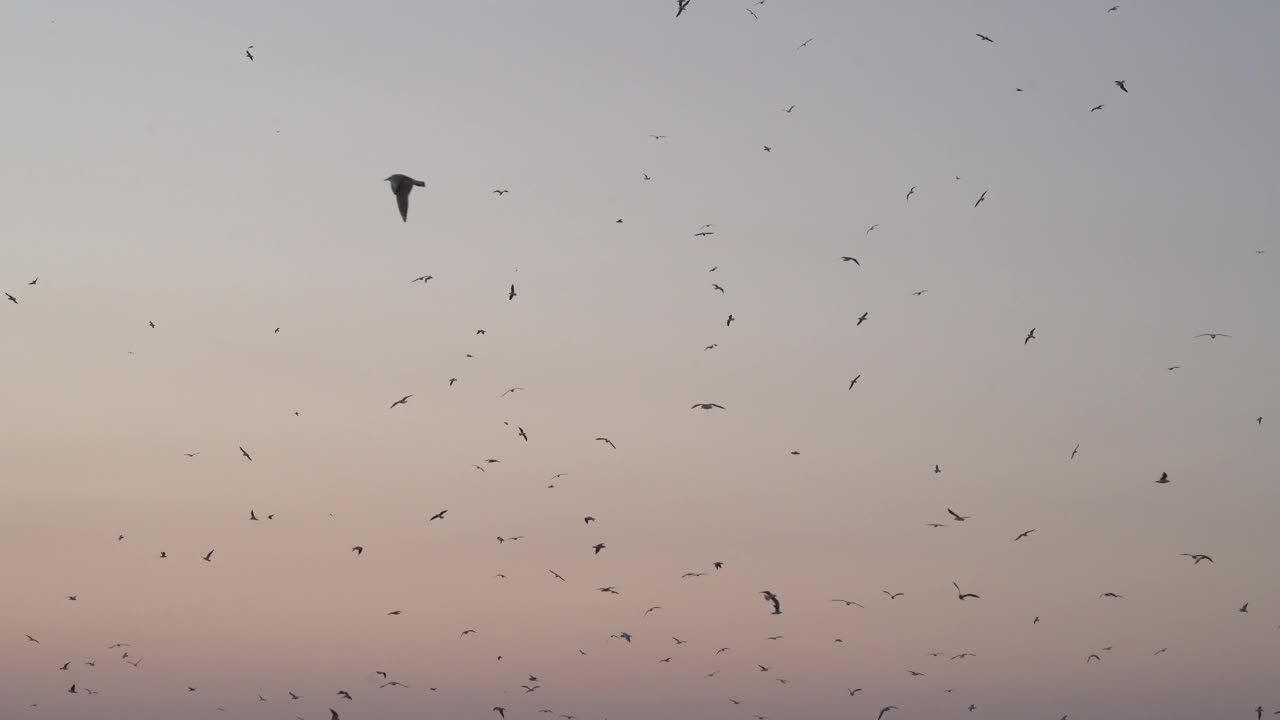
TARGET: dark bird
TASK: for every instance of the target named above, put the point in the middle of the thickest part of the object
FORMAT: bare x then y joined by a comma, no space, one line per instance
1111,595
333,714
704,233
1213,336
788,110
984,37
1113,8
847,603
465,633
500,193
152,324
358,550
65,665
958,517
1023,534
873,227
344,693
861,319
1030,336
511,294
892,596
557,575
207,557
911,192
981,197
729,322
716,286
854,260
72,689
1096,108
806,42
886,709
712,346
717,565
252,516
394,612
919,293
854,382
12,299
1164,479
597,547
438,516
1244,608
522,433
508,391
1197,558
753,13
424,279
937,469
962,656
246,455
768,149
588,520
33,282
772,598
680,6
658,137
854,691
1074,451
1091,658
401,186
646,612
1120,84
706,406
191,455
72,598
964,595
610,590
608,442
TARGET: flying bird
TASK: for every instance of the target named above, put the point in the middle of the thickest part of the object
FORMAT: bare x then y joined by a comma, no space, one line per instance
401,186
886,709
1030,336
1120,84
706,406
1096,108
892,596
981,197
772,598
1023,534
964,595
1197,558
511,294
500,193
598,547
246,455
680,6
207,557
911,192
803,44
1164,479
1212,336
861,319
984,38
1074,451
958,517
438,516
854,382
401,401
847,603
608,442
12,299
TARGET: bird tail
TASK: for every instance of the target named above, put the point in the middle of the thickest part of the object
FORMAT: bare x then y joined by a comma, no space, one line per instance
419,183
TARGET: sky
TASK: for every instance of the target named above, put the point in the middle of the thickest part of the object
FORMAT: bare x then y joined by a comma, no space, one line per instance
152,173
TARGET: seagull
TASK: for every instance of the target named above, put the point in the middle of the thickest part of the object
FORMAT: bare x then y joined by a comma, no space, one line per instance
1244,608
1111,595
1096,108
1113,8
438,516
892,596
1073,452
522,433
873,227
557,575
1091,658
679,641
964,595
854,382
465,633
712,346
753,13
959,518
511,294
248,54
862,319
789,109
343,693
246,455
1120,84
1212,336
207,557
1030,336
12,299
1197,558
806,42
854,260
937,469
984,37
252,516
1023,534
911,192
608,442
658,137
854,691
1164,479
717,565
723,650
358,550
962,656
401,186
772,598
729,322
597,547
767,148
981,197
680,6
847,603
500,193
33,282
886,709
706,406
422,279
509,391
716,286
646,612
609,590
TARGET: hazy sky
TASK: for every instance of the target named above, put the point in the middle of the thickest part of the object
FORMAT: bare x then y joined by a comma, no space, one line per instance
150,173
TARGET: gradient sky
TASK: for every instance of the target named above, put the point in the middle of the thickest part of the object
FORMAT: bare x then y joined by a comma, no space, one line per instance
151,173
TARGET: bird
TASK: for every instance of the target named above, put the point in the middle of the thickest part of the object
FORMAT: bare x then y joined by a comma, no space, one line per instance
207,557
344,694
588,520
1096,108
704,233
522,433
598,547
394,612
1113,8
717,565
646,612
958,517
358,550
706,406
658,137
892,596
712,346
1023,534
1244,608
962,656
333,714
913,673
981,197
1074,451
723,650
12,299
1091,658
33,282
1164,479
465,633
911,192
803,44
248,54
246,454
424,279
1030,336
65,665
1120,84
847,603
665,660
500,193
72,598
861,319
72,689
511,294
729,322
646,176
854,382
873,227
401,186
854,260
509,391
716,286
680,6
885,709
438,516
768,149
1197,558
772,598
937,469
964,595
853,691
753,13
1213,335
191,455
557,575
608,442
610,590
984,38
1111,595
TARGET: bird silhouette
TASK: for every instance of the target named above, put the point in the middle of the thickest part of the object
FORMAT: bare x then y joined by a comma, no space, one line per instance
401,186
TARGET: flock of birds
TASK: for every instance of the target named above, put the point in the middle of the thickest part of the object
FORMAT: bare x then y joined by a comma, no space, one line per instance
401,186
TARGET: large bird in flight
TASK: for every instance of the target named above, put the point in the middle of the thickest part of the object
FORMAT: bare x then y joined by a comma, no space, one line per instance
401,186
